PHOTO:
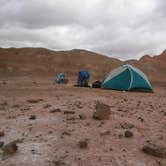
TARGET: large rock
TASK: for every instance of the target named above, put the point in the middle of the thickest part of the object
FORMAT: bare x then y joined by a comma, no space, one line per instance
10,148
154,150
102,111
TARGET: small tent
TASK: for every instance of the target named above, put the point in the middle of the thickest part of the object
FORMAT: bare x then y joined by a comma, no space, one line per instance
60,78
83,78
127,77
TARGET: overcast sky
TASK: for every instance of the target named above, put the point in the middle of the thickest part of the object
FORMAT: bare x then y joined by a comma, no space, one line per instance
119,28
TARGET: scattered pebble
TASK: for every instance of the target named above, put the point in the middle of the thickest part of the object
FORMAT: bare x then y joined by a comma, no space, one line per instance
141,119
33,101
82,116
69,112
128,134
2,133
126,125
104,132
55,110
32,117
47,106
83,144
1,143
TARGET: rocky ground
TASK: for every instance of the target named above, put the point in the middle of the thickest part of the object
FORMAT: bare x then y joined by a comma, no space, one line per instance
54,125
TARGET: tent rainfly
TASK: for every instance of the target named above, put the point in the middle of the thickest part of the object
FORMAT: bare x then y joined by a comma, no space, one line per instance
128,78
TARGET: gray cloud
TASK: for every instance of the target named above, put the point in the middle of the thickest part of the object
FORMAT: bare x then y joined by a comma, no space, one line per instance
119,28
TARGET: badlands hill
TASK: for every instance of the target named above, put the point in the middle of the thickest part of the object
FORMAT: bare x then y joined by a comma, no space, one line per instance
153,66
41,61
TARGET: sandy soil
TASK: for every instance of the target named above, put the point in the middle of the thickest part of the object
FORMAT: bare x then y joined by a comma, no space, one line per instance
52,139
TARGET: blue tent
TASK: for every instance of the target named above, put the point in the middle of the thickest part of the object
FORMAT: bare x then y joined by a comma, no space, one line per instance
83,78
60,78
127,77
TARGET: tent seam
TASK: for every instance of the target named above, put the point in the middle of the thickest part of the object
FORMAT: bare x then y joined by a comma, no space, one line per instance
131,74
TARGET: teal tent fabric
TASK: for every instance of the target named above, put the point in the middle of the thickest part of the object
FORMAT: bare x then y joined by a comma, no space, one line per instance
127,77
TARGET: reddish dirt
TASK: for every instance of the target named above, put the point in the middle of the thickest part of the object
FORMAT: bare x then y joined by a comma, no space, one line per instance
52,138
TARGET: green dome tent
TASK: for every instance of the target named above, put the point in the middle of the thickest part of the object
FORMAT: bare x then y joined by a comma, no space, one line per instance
127,77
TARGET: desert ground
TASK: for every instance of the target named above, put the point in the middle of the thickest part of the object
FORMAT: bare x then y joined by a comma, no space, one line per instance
64,117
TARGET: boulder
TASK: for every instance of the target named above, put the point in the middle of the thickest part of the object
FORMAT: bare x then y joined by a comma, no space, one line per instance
154,150
10,148
102,111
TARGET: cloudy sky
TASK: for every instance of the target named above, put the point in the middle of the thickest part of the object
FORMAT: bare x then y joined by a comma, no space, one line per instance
119,28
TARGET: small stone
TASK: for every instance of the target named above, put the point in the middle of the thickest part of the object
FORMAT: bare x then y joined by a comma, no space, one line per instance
32,117
4,103
2,133
82,116
16,106
141,119
47,106
83,144
71,118
120,136
104,132
66,133
59,163
69,112
4,82
50,132
55,110
126,125
33,151
128,134
33,101
154,150
121,110
1,143
87,124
